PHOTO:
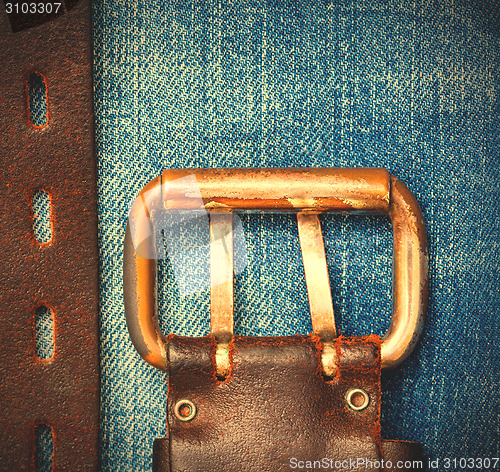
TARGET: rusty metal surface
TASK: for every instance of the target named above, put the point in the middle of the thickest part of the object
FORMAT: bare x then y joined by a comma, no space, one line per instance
313,191
59,158
221,287
409,275
319,292
139,280
221,276
316,274
291,189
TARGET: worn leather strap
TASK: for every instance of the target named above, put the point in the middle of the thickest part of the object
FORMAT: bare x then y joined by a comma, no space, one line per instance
59,158
398,456
275,410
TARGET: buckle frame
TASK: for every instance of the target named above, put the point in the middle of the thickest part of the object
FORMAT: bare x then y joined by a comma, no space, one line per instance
307,191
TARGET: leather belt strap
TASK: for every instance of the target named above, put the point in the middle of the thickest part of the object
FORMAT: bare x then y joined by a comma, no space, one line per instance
59,158
276,410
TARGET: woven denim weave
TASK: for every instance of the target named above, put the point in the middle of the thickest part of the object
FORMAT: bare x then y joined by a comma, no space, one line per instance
409,86
44,333
42,214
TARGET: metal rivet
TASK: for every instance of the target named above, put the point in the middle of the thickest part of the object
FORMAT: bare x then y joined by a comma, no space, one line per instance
357,399
185,410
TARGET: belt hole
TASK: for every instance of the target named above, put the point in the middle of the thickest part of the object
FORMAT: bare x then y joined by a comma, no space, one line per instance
185,410
357,399
44,448
42,217
44,333
37,100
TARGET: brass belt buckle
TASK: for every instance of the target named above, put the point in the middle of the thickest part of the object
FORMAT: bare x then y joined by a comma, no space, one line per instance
309,192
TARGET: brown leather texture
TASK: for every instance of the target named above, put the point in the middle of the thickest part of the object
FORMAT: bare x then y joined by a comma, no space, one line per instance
62,274
275,409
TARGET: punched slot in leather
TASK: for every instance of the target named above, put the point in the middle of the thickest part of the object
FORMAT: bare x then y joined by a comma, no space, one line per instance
42,217
37,100
44,448
44,334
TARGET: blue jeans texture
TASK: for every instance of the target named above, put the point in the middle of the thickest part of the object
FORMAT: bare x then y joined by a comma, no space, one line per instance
409,86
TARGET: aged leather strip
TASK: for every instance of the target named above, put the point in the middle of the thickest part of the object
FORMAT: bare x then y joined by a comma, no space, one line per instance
408,455
274,407
63,275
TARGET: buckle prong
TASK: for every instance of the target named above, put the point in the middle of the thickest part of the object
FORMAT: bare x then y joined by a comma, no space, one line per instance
221,287
318,286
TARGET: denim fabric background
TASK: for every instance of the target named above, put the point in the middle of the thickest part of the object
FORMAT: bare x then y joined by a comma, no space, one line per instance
409,86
